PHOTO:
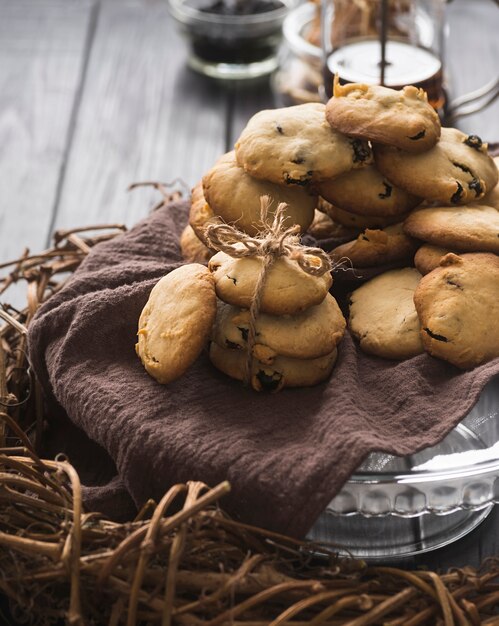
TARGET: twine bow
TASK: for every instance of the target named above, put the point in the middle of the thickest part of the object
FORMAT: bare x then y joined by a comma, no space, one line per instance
274,240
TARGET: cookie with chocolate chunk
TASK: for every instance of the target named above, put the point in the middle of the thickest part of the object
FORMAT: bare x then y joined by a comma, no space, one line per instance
367,192
383,316
470,228
283,372
401,118
296,146
235,196
176,322
287,289
458,305
377,247
458,170
307,335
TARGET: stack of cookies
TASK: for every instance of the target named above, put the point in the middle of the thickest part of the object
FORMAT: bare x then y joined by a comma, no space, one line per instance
296,330
289,342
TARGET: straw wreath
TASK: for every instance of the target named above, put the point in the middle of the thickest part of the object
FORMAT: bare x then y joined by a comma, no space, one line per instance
182,561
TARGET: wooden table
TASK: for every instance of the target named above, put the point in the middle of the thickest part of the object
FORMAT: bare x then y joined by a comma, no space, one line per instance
95,95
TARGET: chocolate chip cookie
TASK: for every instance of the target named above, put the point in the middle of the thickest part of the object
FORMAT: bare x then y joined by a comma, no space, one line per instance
288,289
458,170
383,316
458,305
367,192
307,335
296,146
377,247
235,196
383,115
470,228
283,372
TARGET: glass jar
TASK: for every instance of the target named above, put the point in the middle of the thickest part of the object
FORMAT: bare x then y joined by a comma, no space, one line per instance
385,42
228,40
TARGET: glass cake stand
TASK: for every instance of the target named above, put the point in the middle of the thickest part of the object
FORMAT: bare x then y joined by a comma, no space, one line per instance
402,506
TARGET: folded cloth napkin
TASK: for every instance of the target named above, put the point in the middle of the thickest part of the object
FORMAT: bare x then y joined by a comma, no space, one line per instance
286,455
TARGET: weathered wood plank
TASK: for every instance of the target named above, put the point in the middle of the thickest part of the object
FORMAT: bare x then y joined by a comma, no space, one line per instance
42,52
246,100
143,116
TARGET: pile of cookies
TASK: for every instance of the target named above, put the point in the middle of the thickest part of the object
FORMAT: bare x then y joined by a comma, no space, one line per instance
375,170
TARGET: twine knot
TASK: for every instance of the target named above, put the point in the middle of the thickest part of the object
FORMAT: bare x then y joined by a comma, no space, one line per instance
274,240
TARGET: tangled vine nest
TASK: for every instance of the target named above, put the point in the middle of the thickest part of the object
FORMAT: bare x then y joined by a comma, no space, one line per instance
181,561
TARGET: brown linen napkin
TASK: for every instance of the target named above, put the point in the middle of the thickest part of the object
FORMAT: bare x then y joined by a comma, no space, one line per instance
286,455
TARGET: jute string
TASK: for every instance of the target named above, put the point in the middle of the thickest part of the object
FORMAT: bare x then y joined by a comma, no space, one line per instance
274,240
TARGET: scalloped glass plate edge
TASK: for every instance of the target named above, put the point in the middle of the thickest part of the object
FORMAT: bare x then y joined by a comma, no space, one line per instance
401,506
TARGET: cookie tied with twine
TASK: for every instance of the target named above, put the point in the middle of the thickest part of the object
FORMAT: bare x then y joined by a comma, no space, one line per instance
274,240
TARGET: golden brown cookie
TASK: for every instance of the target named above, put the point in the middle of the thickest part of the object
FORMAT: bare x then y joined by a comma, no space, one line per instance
428,257
235,196
367,192
458,305
201,214
296,146
458,170
192,248
377,247
469,228
287,290
383,317
307,335
383,115
176,322
360,222
284,371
